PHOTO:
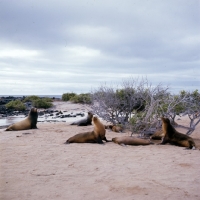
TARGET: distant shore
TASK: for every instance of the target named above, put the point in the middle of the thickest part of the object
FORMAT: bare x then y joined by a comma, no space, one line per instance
50,96
68,113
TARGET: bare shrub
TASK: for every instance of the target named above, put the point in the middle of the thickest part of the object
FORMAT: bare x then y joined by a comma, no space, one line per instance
138,105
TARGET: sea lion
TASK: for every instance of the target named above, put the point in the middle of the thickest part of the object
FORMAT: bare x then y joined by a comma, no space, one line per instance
158,135
85,121
95,136
28,123
114,128
174,137
129,140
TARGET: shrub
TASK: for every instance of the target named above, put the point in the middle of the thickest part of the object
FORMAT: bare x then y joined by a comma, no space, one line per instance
39,102
139,105
68,96
31,98
16,104
47,99
42,103
81,98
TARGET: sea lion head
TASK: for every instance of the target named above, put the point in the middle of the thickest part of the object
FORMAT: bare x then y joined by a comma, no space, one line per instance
33,116
165,120
90,115
33,110
166,126
114,140
94,119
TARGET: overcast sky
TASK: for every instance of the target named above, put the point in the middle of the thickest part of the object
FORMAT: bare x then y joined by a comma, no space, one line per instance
54,47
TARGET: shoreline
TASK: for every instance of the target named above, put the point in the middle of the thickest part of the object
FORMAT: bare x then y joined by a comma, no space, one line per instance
64,107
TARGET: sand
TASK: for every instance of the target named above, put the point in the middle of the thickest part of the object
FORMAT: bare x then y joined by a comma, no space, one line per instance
39,166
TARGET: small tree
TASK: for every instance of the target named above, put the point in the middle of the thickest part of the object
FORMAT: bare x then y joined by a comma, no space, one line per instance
192,108
172,106
134,105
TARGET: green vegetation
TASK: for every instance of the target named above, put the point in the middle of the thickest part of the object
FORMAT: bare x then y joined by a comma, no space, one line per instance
47,99
81,98
77,98
42,103
39,102
16,105
31,98
67,96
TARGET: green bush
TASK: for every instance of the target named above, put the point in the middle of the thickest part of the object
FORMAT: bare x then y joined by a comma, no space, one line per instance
42,103
47,99
15,104
81,98
31,98
39,102
68,96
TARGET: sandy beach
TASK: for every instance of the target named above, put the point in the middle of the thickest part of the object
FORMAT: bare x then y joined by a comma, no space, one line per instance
36,165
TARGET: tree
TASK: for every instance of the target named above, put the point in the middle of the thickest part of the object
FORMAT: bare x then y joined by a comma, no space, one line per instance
138,105
192,108
133,105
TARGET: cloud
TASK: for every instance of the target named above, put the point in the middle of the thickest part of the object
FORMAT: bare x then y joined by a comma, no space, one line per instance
17,53
59,46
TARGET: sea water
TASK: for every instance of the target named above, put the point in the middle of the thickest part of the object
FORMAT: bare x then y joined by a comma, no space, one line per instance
50,96
6,121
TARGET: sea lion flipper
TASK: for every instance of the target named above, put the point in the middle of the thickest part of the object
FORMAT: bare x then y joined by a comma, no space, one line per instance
34,128
106,139
99,140
8,129
188,148
164,140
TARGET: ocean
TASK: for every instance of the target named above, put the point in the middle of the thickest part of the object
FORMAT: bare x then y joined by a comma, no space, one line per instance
9,120
50,96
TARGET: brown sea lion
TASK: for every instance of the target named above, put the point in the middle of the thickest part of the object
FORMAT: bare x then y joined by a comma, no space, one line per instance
158,135
114,128
85,121
129,140
174,137
95,136
28,123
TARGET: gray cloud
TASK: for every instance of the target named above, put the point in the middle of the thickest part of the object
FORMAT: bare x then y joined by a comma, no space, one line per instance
52,47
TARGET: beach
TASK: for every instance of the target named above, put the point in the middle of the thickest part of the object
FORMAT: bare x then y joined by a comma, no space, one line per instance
36,164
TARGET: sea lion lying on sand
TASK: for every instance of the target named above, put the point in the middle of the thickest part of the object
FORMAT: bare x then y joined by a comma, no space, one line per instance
114,128
28,123
129,140
95,136
174,137
85,121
